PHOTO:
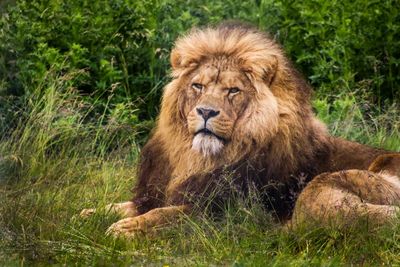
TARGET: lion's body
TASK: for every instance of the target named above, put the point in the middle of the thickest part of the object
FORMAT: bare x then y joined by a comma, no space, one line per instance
341,197
235,104
151,190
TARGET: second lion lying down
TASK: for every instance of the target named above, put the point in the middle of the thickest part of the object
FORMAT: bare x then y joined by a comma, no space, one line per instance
236,105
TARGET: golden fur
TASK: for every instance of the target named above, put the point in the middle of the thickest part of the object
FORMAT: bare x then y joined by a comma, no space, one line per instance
235,103
342,197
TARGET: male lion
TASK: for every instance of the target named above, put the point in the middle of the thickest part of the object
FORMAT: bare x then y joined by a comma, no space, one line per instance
235,105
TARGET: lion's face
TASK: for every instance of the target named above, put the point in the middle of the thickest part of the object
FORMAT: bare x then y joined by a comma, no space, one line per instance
216,98
221,102
232,92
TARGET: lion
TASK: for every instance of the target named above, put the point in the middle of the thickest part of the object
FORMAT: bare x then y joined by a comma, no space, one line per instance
235,104
342,197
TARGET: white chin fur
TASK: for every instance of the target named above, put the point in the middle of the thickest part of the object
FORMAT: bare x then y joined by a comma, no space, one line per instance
207,144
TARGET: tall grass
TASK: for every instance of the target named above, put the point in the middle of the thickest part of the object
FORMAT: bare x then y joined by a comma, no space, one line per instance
55,162
59,160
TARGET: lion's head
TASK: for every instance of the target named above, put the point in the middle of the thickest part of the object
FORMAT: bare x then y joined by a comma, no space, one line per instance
233,92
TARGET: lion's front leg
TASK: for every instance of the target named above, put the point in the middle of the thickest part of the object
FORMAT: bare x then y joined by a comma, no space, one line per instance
124,209
148,222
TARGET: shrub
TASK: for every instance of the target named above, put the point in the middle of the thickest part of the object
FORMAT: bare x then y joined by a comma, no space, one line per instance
123,45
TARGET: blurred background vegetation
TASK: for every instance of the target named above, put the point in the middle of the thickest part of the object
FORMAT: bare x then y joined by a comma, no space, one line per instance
80,86
115,53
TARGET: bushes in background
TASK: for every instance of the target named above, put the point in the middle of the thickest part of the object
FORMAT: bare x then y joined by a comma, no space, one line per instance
121,47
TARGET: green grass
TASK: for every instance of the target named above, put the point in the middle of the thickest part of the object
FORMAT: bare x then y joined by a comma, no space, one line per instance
58,161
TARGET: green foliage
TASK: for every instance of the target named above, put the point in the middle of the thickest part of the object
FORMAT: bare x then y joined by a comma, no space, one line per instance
342,46
110,42
123,46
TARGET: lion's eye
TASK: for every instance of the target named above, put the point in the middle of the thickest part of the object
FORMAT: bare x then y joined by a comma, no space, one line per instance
197,86
234,90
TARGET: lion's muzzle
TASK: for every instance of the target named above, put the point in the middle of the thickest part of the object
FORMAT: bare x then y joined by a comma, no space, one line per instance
209,137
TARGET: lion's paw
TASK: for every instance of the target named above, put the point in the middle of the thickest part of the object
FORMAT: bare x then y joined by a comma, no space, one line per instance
87,212
126,228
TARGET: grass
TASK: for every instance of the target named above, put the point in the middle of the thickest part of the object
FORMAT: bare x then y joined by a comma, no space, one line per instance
58,160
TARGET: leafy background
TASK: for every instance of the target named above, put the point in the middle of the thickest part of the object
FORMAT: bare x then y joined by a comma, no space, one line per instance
80,85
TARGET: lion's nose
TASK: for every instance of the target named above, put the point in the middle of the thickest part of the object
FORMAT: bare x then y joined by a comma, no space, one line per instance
207,113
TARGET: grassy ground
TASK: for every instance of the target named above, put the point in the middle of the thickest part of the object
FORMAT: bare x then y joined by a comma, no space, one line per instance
58,162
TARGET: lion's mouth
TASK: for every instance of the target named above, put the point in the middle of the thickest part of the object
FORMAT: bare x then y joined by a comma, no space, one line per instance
206,131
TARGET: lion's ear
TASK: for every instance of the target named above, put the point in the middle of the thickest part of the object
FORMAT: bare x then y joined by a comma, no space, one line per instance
263,69
181,64
270,69
175,59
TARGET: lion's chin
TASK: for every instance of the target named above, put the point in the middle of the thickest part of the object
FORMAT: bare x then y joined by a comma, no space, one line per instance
207,144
